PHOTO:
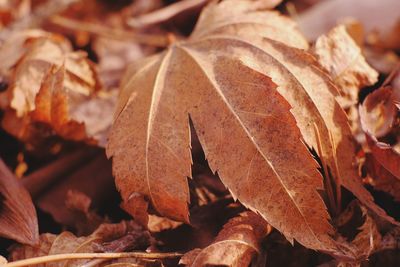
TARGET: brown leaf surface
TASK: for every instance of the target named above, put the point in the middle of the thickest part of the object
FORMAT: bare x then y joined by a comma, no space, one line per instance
238,118
369,238
342,58
235,245
57,201
380,16
18,219
338,53
232,66
56,87
379,114
381,179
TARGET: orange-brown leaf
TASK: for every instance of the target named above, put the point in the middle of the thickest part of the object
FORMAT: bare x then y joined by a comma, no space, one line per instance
221,78
235,245
18,219
54,86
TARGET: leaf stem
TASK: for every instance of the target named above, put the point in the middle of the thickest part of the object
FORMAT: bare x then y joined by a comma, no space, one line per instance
166,13
160,40
76,256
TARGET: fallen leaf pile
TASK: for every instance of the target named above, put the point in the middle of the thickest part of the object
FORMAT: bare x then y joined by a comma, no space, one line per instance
53,86
199,133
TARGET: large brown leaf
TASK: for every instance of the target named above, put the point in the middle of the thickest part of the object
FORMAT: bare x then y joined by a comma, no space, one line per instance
248,91
18,219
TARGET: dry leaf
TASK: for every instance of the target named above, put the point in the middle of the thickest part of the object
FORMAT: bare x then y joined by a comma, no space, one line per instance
108,237
366,238
114,56
11,11
303,85
18,219
379,113
382,61
53,86
222,79
94,170
381,179
15,47
369,238
342,58
158,224
41,249
385,155
85,219
235,245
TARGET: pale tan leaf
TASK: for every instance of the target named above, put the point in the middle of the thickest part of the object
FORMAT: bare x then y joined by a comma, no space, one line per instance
236,244
18,44
352,75
338,53
54,86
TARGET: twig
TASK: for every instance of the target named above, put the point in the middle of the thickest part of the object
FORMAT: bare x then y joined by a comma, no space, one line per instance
166,13
148,39
76,256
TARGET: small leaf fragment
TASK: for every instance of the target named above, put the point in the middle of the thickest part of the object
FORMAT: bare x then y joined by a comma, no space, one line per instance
235,245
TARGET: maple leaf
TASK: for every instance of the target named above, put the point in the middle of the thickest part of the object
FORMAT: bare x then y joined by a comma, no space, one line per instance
235,245
18,219
248,88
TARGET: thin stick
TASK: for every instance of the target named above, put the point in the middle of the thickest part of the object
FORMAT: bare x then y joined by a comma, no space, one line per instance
148,39
76,256
166,13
